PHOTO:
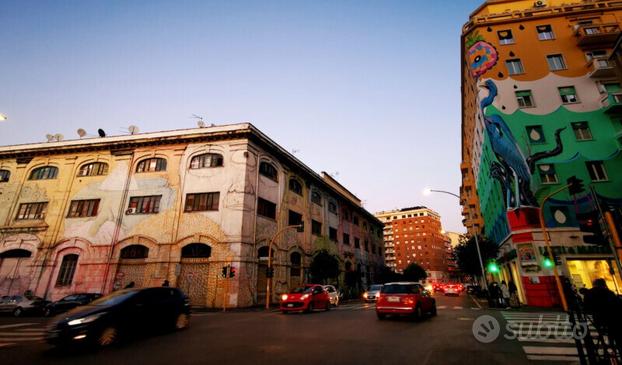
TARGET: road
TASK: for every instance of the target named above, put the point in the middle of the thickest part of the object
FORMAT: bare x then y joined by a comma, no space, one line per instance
349,334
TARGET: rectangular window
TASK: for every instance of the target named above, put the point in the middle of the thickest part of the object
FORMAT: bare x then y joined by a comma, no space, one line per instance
266,208
535,134
514,66
357,243
144,204
201,202
83,208
346,239
67,270
524,99
597,170
545,32
582,131
505,37
294,218
332,234
556,62
367,245
547,174
316,197
568,95
332,207
31,211
316,228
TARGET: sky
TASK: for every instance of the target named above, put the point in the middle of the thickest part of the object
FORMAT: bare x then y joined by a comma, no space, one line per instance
368,91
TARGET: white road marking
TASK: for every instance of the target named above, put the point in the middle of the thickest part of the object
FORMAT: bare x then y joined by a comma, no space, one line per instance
457,307
547,350
24,339
17,325
6,344
29,329
441,307
18,334
553,358
546,340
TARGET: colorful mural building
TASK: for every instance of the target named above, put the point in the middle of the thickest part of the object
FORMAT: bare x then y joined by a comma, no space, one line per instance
541,104
414,235
96,214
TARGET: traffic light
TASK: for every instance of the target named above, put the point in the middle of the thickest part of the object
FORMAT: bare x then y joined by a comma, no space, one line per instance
225,271
492,267
301,227
547,263
575,185
589,222
231,271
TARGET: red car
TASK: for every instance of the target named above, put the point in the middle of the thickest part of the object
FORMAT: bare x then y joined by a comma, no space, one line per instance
404,298
305,299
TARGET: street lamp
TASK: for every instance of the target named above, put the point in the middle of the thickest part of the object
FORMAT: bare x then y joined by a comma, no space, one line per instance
270,272
428,191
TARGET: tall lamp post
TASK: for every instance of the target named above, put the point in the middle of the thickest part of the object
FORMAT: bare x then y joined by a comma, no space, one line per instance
270,273
427,191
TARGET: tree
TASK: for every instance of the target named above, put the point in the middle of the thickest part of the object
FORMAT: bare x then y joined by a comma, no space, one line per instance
324,266
385,274
414,272
466,255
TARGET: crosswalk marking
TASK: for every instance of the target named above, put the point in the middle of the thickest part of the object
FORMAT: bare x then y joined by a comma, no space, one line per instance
457,307
14,334
543,336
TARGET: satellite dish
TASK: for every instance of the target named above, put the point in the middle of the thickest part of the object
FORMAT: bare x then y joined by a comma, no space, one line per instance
201,124
133,129
81,132
101,133
50,137
59,137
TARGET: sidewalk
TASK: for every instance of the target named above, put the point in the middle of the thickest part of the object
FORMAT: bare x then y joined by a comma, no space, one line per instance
483,303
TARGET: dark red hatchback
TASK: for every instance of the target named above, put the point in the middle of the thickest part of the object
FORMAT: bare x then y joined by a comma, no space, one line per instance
404,298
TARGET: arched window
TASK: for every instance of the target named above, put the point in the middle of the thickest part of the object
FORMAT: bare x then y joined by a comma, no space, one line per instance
134,252
4,175
316,197
44,173
93,169
296,261
206,160
151,165
295,186
268,170
67,270
16,253
196,250
262,253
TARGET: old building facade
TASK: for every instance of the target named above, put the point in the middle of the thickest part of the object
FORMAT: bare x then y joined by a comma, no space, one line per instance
93,215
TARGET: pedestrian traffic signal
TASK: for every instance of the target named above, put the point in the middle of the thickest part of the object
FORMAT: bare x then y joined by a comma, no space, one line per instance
492,267
547,263
589,222
231,271
575,185
225,271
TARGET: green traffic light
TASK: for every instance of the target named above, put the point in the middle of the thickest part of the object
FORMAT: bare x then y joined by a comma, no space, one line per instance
547,263
493,267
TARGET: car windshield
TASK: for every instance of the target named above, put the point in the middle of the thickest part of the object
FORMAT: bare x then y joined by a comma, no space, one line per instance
375,287
114,298
303,289
399,289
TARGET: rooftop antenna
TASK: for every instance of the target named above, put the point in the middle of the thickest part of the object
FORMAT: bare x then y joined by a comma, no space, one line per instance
295,151
101,133
58,137
49,137
81,132
334,174
133,129
200,122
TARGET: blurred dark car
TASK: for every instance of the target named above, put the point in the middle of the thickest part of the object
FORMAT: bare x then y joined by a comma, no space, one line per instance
19,305
69,302
120,315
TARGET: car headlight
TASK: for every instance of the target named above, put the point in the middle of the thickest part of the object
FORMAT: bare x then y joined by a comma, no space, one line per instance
87,319
284,297
304,296
365,295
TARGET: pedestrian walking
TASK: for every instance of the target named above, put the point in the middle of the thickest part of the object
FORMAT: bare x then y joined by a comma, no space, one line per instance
495,294
606,309
514,301
505,294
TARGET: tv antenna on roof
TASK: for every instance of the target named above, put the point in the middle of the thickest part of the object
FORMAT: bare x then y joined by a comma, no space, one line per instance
133,129
200,122
295,151
54,137
81,132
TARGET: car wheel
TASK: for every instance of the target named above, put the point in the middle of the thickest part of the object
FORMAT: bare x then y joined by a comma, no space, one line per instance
310,307
327,306
418,313
17,312
434,312
381,316
108,336
182,322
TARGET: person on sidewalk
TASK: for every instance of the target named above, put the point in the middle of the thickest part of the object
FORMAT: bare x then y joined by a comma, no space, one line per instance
606,308
514,301
505,295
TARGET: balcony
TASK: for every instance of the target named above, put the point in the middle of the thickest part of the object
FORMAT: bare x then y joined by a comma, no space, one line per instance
596,34
601,67
612,103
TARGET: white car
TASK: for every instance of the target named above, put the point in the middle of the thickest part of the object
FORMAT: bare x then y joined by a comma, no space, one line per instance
372,294
333,294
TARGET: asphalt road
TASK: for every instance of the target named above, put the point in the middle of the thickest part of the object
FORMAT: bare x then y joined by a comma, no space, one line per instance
349,334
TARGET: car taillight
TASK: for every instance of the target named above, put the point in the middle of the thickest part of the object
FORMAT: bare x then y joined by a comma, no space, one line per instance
409,301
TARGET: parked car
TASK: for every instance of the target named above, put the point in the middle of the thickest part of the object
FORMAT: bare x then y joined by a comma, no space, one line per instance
453,289
120,315
372,293
69,302
333,294
306,299
405,298
19,305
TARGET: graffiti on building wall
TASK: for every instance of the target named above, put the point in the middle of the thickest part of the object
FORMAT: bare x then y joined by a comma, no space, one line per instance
482,56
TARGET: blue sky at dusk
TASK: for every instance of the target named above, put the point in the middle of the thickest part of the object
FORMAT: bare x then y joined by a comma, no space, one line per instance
368,89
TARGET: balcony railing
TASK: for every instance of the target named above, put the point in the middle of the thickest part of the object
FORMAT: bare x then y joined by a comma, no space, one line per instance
601,67
597,34
612,103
